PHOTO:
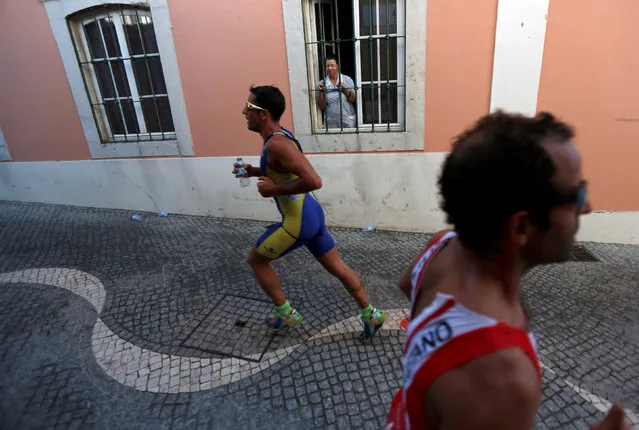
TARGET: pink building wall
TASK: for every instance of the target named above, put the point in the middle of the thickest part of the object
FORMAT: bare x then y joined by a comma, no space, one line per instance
460,39
38,116
590,77
216,76
222,50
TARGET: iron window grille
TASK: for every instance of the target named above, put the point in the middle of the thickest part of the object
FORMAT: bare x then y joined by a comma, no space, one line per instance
375,35
118,55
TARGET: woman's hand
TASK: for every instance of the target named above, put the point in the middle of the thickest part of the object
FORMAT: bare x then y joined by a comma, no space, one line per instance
320,97
349,93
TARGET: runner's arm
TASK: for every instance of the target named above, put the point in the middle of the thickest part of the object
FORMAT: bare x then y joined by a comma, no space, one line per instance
499,391
254,171
282,151
405,284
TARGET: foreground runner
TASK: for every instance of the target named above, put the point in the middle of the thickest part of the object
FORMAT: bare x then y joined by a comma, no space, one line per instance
513,189
286,175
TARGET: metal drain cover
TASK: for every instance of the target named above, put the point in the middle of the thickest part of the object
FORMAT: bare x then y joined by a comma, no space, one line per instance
234,328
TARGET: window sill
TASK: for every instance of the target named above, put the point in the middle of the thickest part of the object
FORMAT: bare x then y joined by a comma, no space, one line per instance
163,148
362,142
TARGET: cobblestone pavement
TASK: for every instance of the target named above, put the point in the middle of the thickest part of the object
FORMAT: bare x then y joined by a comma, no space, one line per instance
110,323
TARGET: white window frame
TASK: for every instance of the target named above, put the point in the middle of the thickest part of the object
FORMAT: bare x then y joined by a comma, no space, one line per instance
77,25
400,81
312,19
180,143
301,78
311,35
313,64
5,155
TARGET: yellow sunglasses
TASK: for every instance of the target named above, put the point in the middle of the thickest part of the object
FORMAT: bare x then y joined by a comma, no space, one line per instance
251,106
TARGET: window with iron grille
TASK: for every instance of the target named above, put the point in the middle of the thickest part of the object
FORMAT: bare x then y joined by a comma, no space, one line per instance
367,38
118,55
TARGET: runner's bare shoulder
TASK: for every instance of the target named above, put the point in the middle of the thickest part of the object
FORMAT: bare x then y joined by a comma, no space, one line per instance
428,243
406,280
498,391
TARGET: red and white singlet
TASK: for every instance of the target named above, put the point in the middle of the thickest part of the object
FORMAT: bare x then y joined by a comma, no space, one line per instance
442,337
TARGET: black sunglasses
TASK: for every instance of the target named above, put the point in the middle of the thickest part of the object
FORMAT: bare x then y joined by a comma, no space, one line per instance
577,197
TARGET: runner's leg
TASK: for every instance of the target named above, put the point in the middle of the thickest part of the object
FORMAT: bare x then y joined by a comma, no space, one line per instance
323,248
336,266
266,276
273,244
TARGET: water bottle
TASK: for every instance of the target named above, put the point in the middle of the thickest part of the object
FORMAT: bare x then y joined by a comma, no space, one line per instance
369,228
242,173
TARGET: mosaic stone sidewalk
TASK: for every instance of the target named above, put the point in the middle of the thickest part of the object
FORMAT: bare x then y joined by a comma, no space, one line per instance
110,323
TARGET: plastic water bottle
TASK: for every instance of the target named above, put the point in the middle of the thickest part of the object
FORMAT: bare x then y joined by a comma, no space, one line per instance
242,173
369,228
136,217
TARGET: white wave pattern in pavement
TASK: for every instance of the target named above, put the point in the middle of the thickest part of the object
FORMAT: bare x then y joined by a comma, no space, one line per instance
599,403
146,370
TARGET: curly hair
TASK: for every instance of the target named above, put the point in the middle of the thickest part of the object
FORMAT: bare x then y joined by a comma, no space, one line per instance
270,98
497,168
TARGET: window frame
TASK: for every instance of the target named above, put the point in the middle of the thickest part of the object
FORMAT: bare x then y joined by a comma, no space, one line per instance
400,37
312,54
5,155
76,26
410,138
61,13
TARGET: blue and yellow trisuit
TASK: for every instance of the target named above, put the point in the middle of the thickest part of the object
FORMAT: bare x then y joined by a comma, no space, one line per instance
302,216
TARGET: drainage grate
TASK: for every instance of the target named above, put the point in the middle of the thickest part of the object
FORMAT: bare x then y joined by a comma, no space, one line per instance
580,253
235,328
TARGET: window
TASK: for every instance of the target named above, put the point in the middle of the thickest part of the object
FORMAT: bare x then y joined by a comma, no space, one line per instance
131,130
121,67
367,38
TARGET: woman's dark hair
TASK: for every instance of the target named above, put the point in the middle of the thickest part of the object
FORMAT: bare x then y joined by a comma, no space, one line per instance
331,57
270,98
497,168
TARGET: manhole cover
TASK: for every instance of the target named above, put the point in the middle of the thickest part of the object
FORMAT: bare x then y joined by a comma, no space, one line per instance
580,253
235,328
